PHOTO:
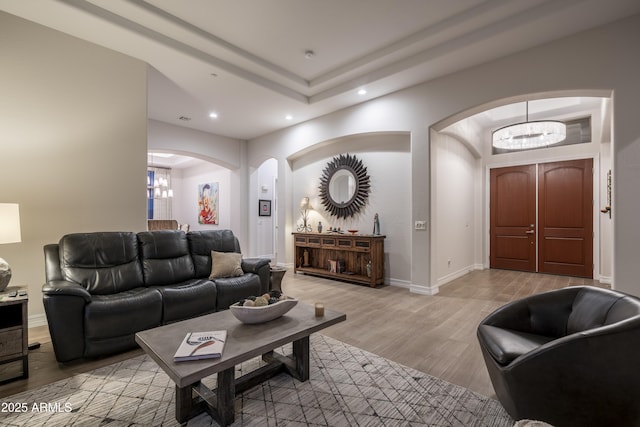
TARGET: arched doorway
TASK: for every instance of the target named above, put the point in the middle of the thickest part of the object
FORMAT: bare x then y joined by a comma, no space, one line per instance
460,211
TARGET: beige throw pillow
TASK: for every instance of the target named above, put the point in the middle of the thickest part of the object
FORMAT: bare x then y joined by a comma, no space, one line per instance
225,264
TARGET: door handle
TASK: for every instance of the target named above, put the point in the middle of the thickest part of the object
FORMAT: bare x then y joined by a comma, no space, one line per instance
530,231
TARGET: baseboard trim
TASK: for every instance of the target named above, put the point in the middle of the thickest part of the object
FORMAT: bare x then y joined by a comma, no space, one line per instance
399,283
605,279
457,274
37,320
424,290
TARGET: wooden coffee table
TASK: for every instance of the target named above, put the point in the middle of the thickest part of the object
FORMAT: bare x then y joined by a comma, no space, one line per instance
244,342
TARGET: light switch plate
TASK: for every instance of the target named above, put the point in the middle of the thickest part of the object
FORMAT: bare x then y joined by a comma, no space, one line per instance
421,225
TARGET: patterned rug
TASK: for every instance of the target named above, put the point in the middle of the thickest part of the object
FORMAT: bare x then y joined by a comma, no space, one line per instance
347,387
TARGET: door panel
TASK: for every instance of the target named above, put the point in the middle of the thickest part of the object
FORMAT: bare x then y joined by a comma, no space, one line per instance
512,212
565,214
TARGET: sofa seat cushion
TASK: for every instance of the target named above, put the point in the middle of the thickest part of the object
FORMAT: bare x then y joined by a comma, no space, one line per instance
124,313
505,345
188,299
232,289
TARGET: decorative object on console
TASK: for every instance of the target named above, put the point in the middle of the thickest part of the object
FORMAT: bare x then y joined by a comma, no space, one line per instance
304,211
344,186
376,225
319,226
9,233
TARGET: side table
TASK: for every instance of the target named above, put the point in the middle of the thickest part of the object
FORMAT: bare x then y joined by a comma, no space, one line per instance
14,329
275,281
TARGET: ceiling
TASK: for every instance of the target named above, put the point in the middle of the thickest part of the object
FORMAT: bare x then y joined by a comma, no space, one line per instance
253,62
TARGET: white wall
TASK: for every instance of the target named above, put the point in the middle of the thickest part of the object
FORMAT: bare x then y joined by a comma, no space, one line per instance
185,200
389,196
603,59
73,138
454,211
263,235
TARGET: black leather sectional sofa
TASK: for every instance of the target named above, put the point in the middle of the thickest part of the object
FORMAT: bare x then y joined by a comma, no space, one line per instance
103,287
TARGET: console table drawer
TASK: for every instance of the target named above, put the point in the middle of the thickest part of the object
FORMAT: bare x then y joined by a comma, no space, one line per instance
344,243
362,245
10,342
328,241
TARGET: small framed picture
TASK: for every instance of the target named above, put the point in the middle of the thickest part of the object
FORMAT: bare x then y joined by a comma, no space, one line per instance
264,208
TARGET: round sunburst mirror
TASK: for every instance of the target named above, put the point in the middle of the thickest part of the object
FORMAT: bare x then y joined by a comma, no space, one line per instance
344,186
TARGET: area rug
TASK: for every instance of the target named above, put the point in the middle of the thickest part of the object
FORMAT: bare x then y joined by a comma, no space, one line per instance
347,387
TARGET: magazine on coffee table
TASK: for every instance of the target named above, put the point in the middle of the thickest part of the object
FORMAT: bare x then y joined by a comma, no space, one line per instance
201,345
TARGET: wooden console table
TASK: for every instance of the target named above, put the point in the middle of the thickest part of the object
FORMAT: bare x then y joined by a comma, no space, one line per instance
352,251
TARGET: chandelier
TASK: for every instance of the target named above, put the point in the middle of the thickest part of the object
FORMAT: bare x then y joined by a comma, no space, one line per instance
530,134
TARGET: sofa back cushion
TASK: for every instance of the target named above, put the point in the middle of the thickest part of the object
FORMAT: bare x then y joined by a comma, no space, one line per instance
165,257
103,263
201,243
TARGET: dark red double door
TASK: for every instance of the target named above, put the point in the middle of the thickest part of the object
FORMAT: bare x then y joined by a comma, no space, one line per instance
550,234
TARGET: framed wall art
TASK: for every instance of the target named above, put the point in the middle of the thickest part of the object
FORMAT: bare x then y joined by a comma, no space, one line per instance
264,207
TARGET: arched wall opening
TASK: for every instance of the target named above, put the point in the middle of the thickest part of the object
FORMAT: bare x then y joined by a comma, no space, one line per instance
387,157
190,172
461,161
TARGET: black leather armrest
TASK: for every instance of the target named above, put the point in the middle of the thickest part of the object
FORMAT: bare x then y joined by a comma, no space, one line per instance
63,287
253,265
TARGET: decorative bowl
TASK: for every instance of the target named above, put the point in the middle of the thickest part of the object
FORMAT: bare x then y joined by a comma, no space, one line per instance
262,314
352,231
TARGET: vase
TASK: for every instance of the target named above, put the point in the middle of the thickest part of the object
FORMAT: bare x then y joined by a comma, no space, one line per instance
319,226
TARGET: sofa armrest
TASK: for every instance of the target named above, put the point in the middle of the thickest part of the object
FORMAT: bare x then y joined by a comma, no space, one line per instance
253,265
63,287
261,267
64,305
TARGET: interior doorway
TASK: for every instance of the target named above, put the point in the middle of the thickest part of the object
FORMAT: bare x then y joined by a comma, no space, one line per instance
541,218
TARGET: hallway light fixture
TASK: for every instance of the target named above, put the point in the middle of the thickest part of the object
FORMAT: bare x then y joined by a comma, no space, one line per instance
529,134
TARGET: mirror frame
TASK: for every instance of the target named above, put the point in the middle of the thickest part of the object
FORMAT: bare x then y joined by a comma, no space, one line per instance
356,203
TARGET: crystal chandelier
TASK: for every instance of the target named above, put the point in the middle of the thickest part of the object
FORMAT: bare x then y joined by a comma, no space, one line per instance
530,134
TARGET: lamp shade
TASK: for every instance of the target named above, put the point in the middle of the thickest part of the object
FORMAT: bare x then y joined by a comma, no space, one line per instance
304,203
10,223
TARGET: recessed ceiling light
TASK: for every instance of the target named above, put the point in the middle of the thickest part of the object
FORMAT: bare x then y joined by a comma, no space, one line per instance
288,117
213,115
362,92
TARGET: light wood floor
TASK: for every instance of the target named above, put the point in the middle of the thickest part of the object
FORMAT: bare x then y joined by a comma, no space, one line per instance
434,334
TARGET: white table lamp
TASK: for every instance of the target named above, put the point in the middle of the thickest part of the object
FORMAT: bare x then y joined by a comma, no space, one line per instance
9,233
